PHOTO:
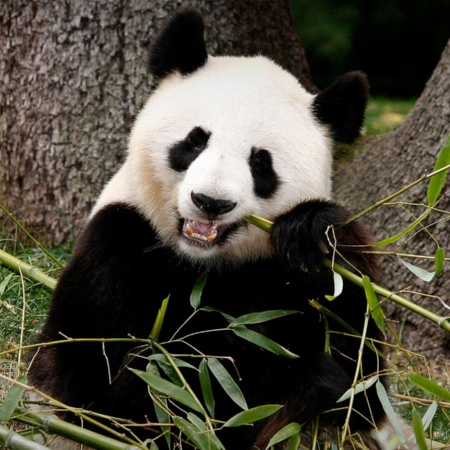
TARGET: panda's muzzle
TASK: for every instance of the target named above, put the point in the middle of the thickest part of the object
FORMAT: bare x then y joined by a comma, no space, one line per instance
208,232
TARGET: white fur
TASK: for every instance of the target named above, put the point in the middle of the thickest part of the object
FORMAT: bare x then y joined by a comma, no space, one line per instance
244,103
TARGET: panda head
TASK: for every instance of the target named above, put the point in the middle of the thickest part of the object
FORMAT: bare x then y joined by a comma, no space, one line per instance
224,137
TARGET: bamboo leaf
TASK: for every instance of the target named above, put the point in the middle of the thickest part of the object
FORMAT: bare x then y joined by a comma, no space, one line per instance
199,437
196,294
439,258
196,421
418,272
295,442
205,384
156,329
4,283
162,360
170,389
227,382
260,317
338,286
12,400
286,432
437,181
395,238
360,387
262,341
376,311
163,417
227,317
429,386
389,410
168,368
160,405
429,415
252,415
419,433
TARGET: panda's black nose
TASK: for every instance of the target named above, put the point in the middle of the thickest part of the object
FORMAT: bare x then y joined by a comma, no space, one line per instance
211,205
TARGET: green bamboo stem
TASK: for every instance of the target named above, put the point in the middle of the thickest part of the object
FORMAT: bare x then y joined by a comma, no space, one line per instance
14,441
439,320
73,340
395,194
28,270
186,384
51,424
265,225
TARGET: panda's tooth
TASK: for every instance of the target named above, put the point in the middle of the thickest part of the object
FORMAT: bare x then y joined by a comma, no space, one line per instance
189,229
212,236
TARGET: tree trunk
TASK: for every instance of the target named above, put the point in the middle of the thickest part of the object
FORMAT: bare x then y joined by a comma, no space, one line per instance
387,163
74,75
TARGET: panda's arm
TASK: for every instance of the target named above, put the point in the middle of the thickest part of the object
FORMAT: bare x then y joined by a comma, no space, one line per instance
105,291
302,238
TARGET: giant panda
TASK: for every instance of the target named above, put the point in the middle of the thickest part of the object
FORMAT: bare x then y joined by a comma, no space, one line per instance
220,139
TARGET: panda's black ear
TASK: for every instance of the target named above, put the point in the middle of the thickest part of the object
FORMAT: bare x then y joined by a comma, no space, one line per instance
342,106
179,46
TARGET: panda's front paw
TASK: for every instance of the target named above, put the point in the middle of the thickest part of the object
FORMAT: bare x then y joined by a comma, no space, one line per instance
300,236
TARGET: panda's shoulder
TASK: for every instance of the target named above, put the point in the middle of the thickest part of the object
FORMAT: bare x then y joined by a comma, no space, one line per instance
116,227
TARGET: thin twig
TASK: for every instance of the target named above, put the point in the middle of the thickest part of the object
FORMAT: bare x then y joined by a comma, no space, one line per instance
37,243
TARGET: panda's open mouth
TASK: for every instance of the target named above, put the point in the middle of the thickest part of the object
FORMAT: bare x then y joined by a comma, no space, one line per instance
205,233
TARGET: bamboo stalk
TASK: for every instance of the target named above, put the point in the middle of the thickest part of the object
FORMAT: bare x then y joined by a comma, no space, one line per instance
265,225
14,441
439,320
28,270
51,424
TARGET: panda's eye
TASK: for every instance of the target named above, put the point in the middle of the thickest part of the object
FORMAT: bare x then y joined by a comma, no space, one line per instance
265,179
184,152
198,138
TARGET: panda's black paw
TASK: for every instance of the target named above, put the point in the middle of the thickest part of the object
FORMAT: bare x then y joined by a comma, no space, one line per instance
300,236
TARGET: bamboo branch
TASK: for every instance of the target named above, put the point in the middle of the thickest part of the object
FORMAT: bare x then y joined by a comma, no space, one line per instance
395,194
265,225
51,424
14,441
17,265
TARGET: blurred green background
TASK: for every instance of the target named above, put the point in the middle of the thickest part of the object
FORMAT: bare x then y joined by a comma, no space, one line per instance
396,42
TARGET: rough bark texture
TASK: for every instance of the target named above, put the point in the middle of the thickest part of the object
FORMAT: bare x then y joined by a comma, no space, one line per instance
74,75
388,163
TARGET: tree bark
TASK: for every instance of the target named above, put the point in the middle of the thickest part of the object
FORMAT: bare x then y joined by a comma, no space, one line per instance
383,165
74,76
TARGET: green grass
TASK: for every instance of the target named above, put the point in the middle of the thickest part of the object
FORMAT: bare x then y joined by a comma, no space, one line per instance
17,293
384,114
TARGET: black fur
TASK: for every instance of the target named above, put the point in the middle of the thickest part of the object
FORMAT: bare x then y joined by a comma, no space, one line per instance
183,153
113,287
342,106
180,46
212,206
264,176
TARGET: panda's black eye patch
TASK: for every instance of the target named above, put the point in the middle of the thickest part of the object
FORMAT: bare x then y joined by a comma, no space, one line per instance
265,179
184,152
